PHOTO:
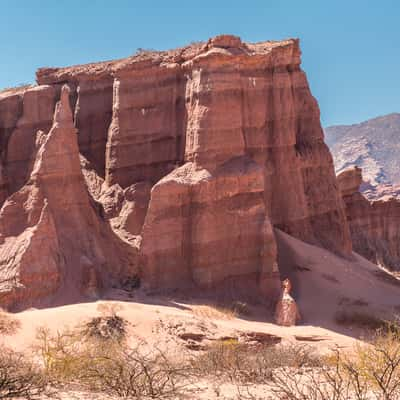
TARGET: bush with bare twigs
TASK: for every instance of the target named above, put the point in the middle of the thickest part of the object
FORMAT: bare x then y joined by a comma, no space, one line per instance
370,372
135,373
19,378
108,366
108,326
248,364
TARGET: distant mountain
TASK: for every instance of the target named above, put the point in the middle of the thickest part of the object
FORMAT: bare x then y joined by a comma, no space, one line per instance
374,146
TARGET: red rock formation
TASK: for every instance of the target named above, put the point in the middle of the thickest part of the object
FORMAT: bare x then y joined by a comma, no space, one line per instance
287,312
51,238
207,227
161,99
190,155
374,225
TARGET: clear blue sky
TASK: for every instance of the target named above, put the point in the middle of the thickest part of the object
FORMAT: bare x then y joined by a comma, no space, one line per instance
351,49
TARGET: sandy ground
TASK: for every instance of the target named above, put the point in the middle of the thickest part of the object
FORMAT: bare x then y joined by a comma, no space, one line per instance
324,285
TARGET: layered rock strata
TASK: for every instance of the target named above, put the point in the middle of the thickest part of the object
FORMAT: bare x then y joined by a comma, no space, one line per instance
225,97
51,238
374,225
190,156
208,227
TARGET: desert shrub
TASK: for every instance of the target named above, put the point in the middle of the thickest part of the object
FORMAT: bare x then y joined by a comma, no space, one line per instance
379,364
370,371
108,326
19,377
8,324
240,362
106,365
240,308
63,355
136,374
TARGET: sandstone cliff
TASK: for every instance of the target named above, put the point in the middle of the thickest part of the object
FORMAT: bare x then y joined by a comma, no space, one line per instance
374,225
189,156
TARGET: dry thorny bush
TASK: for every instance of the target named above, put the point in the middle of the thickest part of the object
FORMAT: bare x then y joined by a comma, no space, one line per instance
292,372
109,326
106,364
19,377
370,372
242,363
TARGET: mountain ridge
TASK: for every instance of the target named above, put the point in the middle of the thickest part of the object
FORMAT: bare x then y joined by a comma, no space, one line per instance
372,145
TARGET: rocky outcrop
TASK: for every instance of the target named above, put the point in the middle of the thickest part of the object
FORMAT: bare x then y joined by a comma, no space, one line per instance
51,238
170,107
374,225
188,158
126,208
287,312
228,99
373,146
206,228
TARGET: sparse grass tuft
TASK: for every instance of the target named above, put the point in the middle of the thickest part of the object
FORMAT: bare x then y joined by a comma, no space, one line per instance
214,312
223,310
